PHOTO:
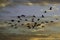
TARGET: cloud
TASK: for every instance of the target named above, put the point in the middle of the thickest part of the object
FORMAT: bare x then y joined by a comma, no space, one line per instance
48,1
38,2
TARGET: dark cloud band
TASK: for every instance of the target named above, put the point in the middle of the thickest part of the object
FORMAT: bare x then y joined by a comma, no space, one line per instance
49,1
39,1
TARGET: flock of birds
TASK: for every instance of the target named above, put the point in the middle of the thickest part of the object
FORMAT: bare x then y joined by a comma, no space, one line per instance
49,9
32,20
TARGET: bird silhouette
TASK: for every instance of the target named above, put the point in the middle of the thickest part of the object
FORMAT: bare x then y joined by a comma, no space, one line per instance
45,11
50,8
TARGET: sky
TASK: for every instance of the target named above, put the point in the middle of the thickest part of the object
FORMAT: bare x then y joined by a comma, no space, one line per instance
31,7
38,2
30,10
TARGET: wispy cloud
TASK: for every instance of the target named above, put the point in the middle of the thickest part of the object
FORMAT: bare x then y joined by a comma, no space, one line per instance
38,2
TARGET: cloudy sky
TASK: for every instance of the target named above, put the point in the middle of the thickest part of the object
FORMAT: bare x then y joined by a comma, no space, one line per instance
35,7
38,1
